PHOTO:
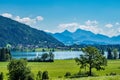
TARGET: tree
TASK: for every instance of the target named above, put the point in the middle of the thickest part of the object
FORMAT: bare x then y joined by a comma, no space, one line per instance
0,55
45,75
8,57
67,74
91,59
5,54
115,53
53,50
1,76
39,75
102,52
51,55
110,56
44,56
29,77
43,50
18,70
119,55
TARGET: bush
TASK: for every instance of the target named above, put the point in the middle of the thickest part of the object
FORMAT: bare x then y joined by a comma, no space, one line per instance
1,76
67,74
45,75
113,73
82,74
30,77
39,75
59,76
18,70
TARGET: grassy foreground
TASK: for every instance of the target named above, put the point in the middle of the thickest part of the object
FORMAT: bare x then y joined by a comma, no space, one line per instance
60,67
117,77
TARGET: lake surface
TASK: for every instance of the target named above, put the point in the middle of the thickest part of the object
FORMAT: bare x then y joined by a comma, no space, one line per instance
57,55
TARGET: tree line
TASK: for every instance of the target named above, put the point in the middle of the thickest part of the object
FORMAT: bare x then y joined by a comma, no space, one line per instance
5,54
113,51
45,57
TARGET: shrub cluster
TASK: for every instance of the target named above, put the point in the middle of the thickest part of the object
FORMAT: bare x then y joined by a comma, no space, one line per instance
42,76
111,74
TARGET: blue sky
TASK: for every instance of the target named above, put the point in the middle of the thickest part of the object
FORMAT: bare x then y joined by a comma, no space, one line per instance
98,16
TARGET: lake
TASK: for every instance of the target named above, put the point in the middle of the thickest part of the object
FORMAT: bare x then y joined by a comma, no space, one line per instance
57,55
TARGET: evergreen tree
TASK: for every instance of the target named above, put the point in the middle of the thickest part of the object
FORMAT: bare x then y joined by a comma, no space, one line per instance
102,52
115,53
119,55
110,56
0,55
45,75
1,76
5,54
39,75
51,55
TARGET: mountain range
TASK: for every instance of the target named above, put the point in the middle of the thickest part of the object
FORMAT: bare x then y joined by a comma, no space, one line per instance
16,33
85,37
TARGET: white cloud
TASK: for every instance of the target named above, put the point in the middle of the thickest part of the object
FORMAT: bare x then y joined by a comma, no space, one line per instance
7,15
25,20
119,30
68,25
47,31
39,18
117,23
73,26
92,26
89,22
109,25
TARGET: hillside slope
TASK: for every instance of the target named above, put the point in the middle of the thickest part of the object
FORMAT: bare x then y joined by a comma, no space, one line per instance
16,33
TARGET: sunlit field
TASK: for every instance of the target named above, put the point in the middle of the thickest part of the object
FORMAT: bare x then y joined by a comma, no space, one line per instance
58,68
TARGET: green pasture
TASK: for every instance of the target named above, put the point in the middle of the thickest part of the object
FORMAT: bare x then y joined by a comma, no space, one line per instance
58,68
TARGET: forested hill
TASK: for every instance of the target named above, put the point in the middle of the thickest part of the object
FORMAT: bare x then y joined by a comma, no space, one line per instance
16,33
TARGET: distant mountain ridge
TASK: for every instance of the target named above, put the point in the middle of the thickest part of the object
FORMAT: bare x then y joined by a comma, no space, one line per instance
16,33
85,37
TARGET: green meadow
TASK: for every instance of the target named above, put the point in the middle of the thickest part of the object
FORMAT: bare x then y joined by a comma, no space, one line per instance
58,68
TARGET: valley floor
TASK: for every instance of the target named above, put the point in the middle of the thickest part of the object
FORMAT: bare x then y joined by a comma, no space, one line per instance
58,68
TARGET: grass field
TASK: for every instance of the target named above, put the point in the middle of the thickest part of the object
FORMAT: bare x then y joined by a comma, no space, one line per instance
117,77
60,67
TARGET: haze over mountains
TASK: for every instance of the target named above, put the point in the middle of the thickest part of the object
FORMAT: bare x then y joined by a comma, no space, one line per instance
85,37
15,33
